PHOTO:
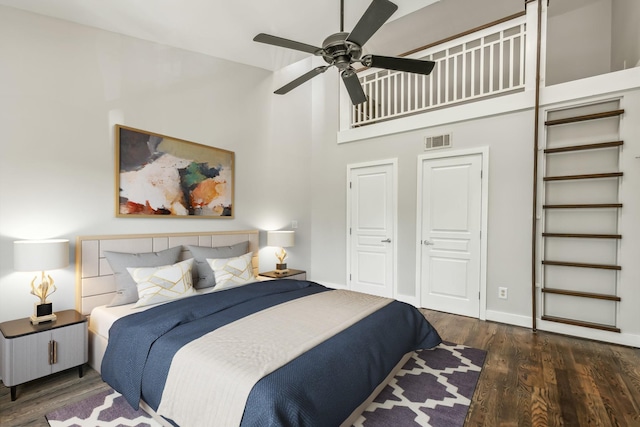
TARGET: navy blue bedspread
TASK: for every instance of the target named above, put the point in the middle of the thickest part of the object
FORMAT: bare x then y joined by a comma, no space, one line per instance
321,387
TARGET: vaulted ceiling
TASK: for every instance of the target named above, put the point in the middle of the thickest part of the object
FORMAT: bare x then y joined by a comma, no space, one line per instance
225,29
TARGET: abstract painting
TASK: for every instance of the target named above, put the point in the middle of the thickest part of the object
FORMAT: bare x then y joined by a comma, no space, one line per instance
157,175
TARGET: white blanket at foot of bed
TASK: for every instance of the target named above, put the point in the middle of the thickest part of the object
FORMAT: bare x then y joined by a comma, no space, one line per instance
236,356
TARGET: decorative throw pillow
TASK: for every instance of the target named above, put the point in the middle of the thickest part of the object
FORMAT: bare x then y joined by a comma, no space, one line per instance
161,284
204,277
232,272
126,291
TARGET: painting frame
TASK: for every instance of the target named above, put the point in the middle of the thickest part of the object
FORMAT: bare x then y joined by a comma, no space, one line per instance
159,176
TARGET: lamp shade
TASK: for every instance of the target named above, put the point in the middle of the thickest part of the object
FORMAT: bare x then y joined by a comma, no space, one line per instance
40,255
282,239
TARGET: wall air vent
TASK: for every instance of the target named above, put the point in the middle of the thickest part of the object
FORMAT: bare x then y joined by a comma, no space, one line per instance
435,142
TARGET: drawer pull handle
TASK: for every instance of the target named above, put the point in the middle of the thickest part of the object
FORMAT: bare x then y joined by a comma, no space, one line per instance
53,352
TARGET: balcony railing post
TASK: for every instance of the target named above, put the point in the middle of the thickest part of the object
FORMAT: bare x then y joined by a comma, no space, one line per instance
531,44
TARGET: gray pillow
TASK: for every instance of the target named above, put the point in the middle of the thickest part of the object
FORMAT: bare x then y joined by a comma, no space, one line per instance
126,290
204,274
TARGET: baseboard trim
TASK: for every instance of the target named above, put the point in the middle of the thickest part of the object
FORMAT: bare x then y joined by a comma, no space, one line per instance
508,318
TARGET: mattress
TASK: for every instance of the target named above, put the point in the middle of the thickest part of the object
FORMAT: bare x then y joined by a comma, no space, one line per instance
103,317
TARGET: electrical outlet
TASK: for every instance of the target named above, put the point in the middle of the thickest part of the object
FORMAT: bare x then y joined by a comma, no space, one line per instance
294,224
502,293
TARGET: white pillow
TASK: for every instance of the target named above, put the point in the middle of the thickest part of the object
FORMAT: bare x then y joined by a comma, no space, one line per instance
232,272
164,283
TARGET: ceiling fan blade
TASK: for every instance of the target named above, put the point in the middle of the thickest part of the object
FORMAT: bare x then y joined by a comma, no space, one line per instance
374,17
352,83
290,44
399,64
303,78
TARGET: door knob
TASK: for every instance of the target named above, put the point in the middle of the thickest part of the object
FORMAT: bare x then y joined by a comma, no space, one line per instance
387,240
428,242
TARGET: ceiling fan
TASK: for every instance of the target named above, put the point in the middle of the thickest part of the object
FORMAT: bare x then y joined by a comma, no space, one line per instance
344,49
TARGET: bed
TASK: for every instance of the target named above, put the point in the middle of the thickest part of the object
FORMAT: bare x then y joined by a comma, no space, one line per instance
278,352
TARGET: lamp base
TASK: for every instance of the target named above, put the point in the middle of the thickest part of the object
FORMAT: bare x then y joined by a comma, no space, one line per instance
281,268
43,313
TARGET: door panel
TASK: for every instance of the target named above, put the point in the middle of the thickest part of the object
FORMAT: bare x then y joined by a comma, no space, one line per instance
70,339
448,276
372,228
451,223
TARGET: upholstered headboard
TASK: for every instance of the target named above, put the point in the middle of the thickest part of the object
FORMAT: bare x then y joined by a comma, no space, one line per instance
95,283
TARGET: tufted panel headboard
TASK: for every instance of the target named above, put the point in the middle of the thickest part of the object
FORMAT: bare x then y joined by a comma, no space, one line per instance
95,284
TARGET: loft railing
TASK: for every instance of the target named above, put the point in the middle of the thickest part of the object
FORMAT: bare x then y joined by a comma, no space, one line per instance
479,64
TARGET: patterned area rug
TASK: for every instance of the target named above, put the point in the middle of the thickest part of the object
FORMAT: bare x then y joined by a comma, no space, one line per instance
104,409
434,388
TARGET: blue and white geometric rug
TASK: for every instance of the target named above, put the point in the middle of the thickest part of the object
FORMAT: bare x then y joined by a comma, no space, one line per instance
105,409
433,389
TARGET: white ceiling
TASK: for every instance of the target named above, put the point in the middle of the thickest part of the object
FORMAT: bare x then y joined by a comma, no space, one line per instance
225,28
220,28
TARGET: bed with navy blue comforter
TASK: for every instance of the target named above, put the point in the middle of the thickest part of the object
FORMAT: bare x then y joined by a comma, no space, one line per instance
320,387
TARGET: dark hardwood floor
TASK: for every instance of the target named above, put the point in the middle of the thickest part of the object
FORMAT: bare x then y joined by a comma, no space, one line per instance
545,379
528,379
39,397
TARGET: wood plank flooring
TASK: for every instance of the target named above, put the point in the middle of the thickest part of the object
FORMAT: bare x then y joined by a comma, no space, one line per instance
544,379
39,397
529,379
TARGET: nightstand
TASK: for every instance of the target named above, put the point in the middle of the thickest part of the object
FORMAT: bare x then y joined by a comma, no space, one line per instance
291,274
34,351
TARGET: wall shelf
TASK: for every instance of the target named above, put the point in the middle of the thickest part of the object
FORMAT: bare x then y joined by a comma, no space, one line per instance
583,206
581,323
583,228
581,294
583,147
582,118
583,235
582,265
585,176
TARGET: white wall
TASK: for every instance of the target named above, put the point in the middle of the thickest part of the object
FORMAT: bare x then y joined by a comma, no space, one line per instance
625,49
63,87
510,139
579,42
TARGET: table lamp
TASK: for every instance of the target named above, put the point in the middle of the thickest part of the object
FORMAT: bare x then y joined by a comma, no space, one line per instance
41,255
281,239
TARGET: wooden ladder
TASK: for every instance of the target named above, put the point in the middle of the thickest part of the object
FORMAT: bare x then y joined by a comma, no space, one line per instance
572,290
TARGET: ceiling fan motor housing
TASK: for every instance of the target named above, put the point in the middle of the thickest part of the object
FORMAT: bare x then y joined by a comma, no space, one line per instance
336,50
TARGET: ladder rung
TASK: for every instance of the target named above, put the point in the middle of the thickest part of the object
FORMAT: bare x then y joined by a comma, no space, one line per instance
583,147
582,265
581,294
581,323
584,206
587,176
595,116
583,236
